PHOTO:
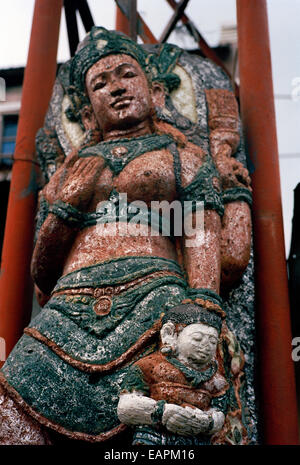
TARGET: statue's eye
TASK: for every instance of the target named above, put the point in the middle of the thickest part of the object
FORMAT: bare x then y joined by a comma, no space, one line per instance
129,74
99,85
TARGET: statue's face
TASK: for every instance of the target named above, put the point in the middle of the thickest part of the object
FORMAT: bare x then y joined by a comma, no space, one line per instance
197,343
119,92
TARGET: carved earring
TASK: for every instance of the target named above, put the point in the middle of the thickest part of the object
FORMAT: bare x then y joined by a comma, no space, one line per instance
168,338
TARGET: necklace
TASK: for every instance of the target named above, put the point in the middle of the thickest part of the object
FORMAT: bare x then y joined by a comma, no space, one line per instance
118,153
194,377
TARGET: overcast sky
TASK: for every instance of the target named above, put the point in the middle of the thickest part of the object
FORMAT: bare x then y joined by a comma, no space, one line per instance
208,15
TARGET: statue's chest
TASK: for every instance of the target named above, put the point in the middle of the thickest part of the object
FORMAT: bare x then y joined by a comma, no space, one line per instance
147,177
142,168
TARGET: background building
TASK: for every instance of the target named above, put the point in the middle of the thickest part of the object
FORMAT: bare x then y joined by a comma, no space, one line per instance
9,112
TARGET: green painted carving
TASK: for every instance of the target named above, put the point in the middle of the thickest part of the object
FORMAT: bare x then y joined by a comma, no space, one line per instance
130,149
56,366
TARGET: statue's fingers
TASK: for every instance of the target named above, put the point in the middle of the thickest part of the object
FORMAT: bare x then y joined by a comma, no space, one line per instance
192,410
71,159
244,172
177,425
195,416
170,410
79,166
225,151
236,162
244,180
248,179
184,418
87,167
241,171
93,166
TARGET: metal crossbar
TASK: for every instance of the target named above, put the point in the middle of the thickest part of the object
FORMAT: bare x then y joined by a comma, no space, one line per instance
71,7
179,10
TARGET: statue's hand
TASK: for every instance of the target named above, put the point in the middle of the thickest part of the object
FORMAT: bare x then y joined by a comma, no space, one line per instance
52,189
232,173
79,186
218,418
185,421
135,408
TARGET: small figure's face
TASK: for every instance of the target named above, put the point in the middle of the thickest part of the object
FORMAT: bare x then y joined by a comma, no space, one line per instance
197,343
119,92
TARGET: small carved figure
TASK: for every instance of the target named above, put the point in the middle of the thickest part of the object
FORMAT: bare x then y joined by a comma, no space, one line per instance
105,288
179,387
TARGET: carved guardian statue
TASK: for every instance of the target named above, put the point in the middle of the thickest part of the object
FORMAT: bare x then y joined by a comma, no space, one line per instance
132,135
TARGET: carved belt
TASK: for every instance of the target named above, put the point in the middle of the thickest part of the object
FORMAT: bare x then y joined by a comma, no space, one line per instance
104,295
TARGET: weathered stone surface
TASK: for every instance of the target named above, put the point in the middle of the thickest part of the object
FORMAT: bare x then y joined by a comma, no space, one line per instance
119,123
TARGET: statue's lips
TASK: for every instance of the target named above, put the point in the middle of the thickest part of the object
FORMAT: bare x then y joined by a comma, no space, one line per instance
121,102
201,352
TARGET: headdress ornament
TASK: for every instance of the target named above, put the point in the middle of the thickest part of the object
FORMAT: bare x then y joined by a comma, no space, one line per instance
100,43
190,314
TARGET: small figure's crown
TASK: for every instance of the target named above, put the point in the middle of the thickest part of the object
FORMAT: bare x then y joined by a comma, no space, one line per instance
189,314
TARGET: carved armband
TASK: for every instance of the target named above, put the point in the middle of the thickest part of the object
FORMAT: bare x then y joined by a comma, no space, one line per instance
204,188
237,194
42,214
157,415
69,214
211,424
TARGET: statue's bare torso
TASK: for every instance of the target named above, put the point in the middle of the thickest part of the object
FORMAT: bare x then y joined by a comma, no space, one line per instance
149,177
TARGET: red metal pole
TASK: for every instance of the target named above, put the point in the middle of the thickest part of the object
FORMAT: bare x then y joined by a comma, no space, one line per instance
122,23
145,33
203,45
15,280
277,380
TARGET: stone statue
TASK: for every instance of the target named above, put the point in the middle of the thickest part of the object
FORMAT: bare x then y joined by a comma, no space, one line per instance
179,387
108,260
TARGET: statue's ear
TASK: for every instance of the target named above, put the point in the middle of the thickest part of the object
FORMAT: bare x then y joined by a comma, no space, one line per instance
158,94
88,118
168,335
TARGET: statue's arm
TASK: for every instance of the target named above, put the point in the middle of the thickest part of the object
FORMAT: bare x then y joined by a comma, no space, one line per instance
201,251
135,408
224,126
51,249
68,194
235,242
202,227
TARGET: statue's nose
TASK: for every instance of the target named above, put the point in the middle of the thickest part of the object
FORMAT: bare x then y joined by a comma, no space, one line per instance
116,89
204,341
